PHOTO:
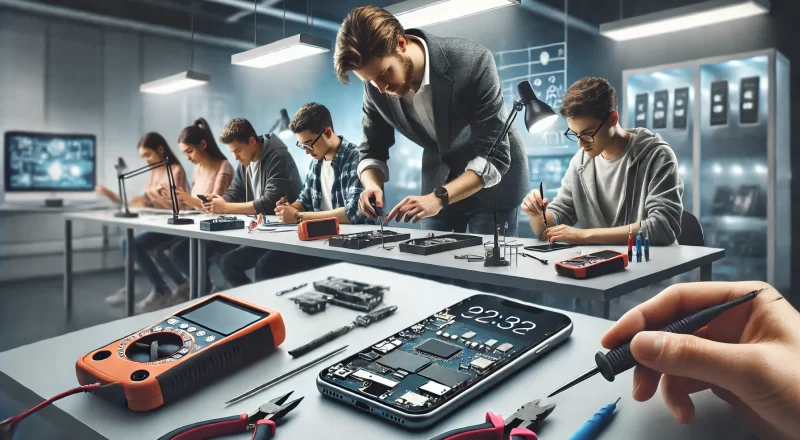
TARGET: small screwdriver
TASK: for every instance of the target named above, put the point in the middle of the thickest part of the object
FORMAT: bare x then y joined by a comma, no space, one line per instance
620,359
592,427
647,246
630,244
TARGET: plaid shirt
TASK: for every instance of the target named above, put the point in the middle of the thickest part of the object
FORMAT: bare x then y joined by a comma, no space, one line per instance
346,188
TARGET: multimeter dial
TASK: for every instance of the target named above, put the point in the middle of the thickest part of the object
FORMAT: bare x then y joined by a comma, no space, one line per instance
165,342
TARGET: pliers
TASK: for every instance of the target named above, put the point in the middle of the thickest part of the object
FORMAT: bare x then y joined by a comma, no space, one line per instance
262,422
516,427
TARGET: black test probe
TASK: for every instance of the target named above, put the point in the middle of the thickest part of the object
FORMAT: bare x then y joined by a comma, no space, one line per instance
620,359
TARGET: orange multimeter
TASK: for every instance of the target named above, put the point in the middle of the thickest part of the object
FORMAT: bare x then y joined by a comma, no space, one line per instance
318,229
593,265
180,353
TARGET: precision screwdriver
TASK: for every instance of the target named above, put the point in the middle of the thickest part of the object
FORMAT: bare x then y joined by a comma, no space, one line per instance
360,321
592,427
620,359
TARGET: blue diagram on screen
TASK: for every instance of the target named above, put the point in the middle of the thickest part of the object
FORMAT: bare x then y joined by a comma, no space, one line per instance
49,162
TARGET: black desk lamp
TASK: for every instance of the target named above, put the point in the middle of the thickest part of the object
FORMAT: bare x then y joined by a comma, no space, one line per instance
282,124
123,193
538,116
173,195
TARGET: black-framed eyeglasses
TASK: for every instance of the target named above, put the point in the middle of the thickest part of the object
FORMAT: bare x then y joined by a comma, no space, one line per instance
587,138
310,147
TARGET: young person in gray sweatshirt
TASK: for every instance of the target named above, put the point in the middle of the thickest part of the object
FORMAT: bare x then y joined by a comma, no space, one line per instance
618,180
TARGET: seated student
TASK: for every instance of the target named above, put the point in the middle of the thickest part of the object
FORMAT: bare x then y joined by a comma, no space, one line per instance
149,256
267,173
617,179
212,175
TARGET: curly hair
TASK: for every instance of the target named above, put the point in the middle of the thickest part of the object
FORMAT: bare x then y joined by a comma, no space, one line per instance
239,130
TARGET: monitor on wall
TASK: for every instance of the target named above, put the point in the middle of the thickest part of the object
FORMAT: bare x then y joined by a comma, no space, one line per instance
49,165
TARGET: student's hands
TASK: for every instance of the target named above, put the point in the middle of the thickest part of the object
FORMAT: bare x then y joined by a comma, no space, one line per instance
185,200
533,204
416,208
364,207
215,205
286,214
748,356
568,234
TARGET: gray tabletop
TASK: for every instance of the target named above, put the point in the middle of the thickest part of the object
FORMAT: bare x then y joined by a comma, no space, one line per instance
48,367
524,273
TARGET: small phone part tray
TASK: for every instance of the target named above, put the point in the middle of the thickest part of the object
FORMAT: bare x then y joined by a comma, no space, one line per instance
361,240
442,243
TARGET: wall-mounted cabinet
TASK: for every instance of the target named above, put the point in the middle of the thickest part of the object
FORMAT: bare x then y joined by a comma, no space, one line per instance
727,119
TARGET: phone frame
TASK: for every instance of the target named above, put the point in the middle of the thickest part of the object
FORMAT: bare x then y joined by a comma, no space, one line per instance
202,198
418,421
550,248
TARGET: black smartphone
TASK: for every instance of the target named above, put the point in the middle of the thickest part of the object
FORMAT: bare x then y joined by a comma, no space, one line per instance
202,198
557,246
415,377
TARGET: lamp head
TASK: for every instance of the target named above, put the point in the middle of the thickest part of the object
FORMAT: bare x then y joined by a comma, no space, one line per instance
283,131
121,166
538,115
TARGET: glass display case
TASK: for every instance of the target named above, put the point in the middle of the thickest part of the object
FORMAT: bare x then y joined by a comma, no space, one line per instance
733,154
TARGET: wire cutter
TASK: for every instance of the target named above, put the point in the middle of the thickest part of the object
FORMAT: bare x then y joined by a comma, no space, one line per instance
262,422
516,427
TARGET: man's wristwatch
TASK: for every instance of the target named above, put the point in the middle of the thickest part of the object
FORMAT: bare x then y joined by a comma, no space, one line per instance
441,193
298,216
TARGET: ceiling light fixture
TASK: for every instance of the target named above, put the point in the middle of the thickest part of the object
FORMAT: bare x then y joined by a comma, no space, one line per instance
284,50
181,81
418,13
683,18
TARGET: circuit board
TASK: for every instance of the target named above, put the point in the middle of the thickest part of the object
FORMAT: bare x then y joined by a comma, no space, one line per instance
424,365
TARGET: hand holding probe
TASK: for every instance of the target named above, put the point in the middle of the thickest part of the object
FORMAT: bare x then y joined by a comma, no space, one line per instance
621,359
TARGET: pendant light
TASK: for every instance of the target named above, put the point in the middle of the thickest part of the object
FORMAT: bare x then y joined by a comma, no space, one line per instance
284,50
181,81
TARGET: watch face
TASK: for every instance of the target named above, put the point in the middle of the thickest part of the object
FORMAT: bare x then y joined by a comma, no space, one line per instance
440,192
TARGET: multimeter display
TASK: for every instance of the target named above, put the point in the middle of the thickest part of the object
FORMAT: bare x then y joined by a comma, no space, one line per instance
222,317
320,229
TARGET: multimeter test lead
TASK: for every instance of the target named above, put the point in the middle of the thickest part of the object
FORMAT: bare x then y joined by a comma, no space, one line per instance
620,359
593,426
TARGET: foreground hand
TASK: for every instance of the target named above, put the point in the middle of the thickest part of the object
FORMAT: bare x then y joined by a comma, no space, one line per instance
748,356
286,214
568,234
215,205
533,204
364,207
415,208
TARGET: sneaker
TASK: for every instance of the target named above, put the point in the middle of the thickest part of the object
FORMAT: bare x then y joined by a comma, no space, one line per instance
181,293
116,299
155,301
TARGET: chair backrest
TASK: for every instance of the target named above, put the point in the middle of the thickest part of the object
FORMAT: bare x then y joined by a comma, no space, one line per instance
691,231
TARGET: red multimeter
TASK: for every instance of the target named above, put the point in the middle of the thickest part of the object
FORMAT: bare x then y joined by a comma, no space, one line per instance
321,229
171,358
593,265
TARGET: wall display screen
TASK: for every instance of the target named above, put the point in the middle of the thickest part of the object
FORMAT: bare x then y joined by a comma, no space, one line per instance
642,102
49,162
748,100
660,108
680,108
719,103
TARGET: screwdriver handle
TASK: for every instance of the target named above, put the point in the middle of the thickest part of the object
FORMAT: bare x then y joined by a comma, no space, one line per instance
320,341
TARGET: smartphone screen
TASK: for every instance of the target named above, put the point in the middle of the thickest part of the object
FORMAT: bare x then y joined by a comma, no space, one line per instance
443,356
549,248
202,198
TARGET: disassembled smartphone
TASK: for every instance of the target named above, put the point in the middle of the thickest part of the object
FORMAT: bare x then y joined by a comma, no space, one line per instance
550,247
351,294
417,376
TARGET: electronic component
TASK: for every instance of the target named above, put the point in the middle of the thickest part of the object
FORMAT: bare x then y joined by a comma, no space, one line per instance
481,364
468,335
414,399
351,294
396,342
504,347
370,355
449,242
311,302
318,229
438,348
222,223
453,337
435,389
419,328
444,316
473,345
445,324
400,360
376,368
490,343
439,333
343,373
447,376
384,347
368,376
361,240
446,335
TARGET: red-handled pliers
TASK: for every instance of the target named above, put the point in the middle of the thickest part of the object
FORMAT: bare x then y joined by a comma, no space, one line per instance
516,427
262,422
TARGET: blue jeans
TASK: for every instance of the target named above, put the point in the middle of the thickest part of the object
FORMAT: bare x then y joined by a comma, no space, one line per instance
179,252
268,264
150,256
475,215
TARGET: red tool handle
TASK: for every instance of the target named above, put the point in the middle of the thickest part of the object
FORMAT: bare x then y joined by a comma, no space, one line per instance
209,429
265,429
523,434
491,430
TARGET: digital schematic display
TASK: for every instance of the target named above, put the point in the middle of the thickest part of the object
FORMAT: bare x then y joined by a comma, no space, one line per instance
49,162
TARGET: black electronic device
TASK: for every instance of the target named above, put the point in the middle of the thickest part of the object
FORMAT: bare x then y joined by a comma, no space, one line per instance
593,265
361,240
202,198
660,108
312,302
419,375
351,294
680,108
222,223
557,246
442,243
719,103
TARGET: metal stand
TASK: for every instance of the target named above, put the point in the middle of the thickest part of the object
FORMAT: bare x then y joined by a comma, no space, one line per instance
130,273
193,278
68,267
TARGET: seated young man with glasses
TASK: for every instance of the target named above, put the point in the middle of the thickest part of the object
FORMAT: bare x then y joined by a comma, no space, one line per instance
332,187
619,179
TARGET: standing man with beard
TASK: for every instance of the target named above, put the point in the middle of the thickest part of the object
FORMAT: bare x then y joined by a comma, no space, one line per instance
444,95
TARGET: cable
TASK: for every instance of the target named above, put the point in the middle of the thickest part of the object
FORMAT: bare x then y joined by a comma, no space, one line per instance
9,422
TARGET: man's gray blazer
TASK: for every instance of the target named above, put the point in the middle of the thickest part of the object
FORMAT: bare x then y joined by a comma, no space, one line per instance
468,114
